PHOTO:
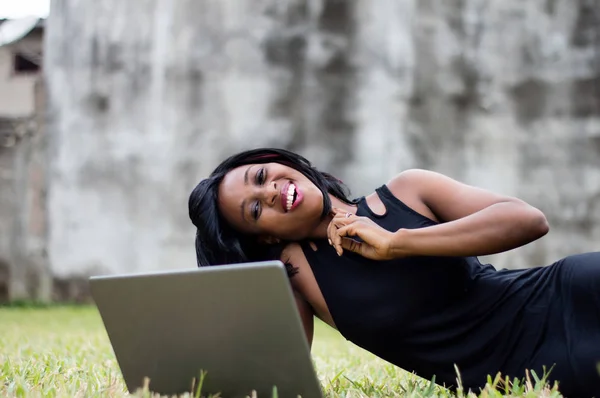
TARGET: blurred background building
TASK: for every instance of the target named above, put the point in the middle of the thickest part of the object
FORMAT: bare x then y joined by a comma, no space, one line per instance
137,100
23,256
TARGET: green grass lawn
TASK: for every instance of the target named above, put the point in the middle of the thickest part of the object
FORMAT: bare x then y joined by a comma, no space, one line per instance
64,351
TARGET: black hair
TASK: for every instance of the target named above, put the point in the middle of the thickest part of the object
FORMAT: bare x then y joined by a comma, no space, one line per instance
217,242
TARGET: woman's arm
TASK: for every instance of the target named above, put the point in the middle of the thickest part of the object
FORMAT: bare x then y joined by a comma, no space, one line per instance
306,314
473,221
291,255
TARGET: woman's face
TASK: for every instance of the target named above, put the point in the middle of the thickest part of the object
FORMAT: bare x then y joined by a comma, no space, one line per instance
270,200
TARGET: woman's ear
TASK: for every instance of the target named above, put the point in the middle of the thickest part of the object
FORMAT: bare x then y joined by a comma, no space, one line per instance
268,240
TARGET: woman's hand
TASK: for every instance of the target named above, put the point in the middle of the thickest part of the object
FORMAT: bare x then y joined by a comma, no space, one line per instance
376,241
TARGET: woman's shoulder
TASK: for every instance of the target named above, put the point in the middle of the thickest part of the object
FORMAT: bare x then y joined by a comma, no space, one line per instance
302,279
293,253
405,187
410,180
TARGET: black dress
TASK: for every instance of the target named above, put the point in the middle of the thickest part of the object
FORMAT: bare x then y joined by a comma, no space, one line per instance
427,314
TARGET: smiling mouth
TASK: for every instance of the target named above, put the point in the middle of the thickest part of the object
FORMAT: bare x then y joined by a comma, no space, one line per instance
289,197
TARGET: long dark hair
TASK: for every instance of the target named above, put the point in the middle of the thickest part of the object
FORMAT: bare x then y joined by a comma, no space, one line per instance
217,242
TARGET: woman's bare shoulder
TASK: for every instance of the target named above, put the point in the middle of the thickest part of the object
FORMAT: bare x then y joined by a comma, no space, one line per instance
293,255
404,187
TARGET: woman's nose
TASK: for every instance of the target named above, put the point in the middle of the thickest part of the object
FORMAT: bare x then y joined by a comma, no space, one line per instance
272,194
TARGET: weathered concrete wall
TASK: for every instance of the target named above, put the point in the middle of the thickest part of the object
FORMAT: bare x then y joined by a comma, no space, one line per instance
7,205
146,96
23,266
508,98
24,271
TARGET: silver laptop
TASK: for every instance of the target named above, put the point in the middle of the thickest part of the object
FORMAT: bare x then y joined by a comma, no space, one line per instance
236,324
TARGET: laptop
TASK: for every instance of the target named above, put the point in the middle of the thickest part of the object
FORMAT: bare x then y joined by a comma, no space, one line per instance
232,329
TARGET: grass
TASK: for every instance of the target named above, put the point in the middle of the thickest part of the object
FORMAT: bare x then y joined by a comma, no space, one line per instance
64,352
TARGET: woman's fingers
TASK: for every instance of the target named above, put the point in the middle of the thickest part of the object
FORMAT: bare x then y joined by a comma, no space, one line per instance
344,226
337,242
330,232
341,214
343,237
352,245
334,238
350,230
331,228
373,239
339,220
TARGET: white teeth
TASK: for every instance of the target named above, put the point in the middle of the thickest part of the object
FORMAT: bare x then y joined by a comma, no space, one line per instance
290,196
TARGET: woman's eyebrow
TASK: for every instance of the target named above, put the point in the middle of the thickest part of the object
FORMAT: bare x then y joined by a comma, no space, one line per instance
246,175
243,205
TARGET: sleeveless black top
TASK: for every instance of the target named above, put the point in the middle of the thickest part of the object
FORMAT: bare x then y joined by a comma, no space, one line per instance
428,314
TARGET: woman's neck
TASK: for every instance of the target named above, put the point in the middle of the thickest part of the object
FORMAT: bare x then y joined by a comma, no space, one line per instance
320,232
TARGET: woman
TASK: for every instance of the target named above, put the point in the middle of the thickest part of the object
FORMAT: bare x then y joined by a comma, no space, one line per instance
396,271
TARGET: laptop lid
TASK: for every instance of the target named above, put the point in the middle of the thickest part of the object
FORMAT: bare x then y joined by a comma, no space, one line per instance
238,323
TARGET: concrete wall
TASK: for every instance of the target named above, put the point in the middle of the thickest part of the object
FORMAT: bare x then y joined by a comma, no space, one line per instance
24,271
146,96
7,211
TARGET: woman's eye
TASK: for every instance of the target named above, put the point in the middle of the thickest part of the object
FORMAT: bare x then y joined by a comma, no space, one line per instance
260,176
255,210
